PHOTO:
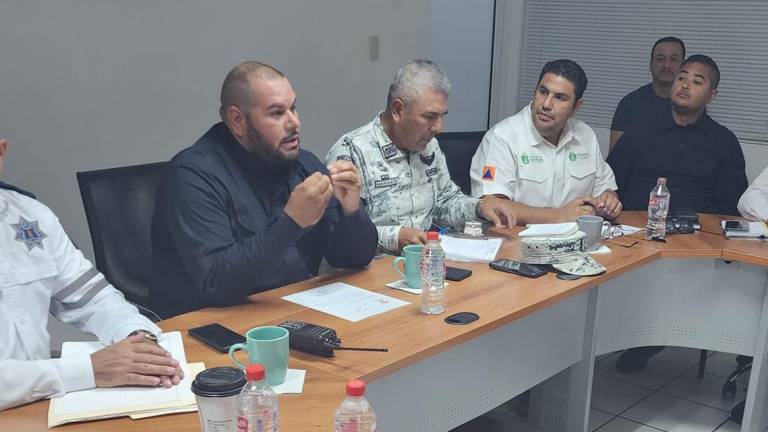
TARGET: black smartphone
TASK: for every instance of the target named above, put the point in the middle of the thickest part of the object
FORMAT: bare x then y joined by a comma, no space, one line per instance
736,225
456,274
216,336
518,268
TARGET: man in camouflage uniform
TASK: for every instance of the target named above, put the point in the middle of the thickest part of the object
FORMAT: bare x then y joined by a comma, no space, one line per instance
406,186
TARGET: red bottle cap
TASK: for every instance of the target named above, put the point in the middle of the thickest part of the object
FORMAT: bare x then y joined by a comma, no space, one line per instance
355,388
433,235
255,372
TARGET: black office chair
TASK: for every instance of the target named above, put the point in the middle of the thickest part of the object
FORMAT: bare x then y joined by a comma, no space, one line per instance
119,203
459,147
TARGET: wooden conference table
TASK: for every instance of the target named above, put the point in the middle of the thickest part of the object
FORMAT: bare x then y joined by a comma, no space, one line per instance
698,290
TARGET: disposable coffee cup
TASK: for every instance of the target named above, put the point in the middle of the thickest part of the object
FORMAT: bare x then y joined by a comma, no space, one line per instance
216,391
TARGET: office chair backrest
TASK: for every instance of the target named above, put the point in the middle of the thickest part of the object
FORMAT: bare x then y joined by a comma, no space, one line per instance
119,203
459,147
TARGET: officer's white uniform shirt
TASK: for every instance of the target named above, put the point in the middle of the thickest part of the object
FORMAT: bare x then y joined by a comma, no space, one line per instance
515,160
42,271
753,203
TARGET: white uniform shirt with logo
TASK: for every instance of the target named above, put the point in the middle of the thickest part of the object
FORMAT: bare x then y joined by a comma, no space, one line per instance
42,271
753,203
515,160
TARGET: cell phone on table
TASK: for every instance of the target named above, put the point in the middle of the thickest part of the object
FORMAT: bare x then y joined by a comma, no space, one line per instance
216,336
456,274
736,225
518,268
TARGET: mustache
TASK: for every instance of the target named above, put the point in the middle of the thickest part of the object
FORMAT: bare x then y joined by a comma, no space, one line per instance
291,137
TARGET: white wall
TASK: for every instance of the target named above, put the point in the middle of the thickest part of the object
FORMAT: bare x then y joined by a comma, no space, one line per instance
460,41
88,84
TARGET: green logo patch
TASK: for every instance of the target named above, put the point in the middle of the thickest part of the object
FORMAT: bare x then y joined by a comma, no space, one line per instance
572,156
524,159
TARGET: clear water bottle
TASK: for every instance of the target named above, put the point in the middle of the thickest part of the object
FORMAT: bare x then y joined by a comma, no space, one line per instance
355,413
658,207
257,409
432,272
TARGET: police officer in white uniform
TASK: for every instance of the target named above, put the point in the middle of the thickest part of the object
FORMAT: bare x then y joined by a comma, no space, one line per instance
42,271
406,186
544,160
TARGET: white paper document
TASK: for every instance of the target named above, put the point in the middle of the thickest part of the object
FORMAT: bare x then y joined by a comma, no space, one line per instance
294,382
402,285
629,229
549,230
470,250
345,301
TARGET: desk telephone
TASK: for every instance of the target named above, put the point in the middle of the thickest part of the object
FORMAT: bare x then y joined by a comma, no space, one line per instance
316,340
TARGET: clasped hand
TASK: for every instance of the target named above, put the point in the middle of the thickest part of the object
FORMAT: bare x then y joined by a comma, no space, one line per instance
308,200
135,361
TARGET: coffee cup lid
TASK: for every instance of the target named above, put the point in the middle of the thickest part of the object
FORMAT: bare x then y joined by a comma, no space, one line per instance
218,382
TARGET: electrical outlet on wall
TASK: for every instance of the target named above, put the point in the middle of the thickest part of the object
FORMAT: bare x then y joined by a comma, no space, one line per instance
373,48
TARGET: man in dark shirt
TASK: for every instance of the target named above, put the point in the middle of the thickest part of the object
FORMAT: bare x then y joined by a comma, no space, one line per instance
701,159
666,56
245,209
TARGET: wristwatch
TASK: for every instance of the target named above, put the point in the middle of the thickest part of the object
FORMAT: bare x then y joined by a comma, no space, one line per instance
148,335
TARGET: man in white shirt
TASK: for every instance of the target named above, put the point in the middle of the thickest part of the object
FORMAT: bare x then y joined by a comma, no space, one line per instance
42,271
753,203
544,160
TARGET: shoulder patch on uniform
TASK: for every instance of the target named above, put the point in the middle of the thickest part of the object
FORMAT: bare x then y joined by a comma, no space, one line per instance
388,151
427,160
431,172
29,233
489,173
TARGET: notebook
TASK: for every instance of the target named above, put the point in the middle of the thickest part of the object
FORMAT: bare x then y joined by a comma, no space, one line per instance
756,230
137,402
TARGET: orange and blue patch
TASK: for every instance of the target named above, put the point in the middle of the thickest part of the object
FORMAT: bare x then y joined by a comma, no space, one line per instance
489,173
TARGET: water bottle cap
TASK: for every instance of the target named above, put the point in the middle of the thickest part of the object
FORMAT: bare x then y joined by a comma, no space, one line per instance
355,388
661,180
433,235
255,372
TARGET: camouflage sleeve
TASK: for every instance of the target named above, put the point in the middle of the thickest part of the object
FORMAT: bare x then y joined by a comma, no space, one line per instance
453,208
388,237
344,149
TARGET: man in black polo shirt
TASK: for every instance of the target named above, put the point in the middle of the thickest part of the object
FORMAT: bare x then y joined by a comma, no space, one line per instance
245,209
701,159
666,56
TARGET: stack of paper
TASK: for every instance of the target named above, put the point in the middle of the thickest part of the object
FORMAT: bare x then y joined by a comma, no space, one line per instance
550,230
137,402
470,250
757,230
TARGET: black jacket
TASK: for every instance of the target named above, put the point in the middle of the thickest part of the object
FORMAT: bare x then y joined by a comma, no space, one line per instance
219,232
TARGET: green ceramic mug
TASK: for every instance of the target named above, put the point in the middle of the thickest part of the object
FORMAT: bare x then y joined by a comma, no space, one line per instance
410,260
267,346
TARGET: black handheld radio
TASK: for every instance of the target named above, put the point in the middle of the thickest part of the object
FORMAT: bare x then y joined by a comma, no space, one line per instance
317,340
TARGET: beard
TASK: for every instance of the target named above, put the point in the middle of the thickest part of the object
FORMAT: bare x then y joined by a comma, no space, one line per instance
256,143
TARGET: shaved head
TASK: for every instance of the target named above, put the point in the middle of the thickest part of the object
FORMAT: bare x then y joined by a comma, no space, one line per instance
236,89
